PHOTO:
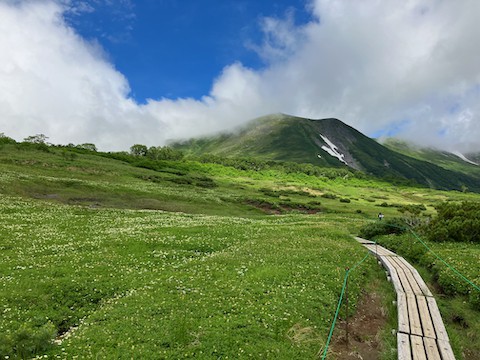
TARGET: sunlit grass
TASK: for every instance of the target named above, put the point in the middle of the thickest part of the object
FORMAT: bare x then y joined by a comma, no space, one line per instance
88,253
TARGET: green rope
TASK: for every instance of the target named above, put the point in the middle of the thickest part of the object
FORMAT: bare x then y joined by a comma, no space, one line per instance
458,273
360,262
342,293
336,315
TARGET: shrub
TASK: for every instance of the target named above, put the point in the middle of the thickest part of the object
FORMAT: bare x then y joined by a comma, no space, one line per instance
6,140
27,341
385,227
344,200
270,192
455,222
329,196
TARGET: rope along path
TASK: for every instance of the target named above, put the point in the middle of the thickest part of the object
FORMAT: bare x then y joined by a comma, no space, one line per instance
421,332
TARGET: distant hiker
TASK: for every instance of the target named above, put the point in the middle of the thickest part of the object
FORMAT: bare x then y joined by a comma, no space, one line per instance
380,216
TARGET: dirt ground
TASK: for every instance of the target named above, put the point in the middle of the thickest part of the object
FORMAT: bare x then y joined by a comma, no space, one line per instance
364,330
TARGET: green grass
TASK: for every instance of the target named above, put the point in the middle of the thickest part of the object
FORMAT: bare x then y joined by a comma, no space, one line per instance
171,261
147,282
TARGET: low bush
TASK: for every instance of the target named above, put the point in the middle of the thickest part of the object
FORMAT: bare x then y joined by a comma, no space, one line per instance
27,341
328,196
459,222
384,227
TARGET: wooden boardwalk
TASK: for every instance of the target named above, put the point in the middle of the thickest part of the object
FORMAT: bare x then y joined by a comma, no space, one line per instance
421,333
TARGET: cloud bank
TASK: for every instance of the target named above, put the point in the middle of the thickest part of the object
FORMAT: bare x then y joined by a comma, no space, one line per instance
384,68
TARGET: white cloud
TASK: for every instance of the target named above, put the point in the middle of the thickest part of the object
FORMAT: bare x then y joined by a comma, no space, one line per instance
373,64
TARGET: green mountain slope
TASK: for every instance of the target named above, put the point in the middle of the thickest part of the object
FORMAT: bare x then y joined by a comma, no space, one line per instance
326,142
441,158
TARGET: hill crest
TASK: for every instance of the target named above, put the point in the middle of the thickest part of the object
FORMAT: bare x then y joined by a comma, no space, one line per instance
328,143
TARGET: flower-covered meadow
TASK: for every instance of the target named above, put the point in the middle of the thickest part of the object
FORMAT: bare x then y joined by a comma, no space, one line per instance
79,283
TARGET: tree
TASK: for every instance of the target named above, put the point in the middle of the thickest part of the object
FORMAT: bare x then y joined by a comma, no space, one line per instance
87,146
138,150
36,139
164,153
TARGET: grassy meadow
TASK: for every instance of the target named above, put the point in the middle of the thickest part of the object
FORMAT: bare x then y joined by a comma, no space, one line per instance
179,259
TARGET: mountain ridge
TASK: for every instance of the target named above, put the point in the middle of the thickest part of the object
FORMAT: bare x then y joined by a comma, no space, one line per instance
328,143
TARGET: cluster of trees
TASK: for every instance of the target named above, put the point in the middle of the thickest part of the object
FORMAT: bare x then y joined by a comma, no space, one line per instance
39,141
156,152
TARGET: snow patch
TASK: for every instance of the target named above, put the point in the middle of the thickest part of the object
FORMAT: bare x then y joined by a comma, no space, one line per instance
461,156
332,149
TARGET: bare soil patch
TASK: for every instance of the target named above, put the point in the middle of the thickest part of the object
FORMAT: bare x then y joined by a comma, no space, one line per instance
364,330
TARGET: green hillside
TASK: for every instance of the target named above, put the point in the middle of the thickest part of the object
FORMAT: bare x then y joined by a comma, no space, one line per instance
286,138
110,255
441,158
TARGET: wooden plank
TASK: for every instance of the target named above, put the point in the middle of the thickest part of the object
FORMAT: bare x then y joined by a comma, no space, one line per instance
401,268
403,324
437,319
403,346
413,316
385,251
431,349
421,332
418,349
445,350
379,250
424,288
393,274
363,241
427,323
405,283
375,249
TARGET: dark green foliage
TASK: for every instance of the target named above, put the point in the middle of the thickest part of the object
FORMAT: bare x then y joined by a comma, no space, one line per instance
413,209
412,249
345,200
27,341
455,222
383,227
33,146
329,196
265,205
87,146
138,150
164,153
36,139
6,140
256,164
183,179
270,192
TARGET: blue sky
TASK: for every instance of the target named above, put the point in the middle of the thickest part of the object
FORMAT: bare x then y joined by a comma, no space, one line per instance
175,48
123,72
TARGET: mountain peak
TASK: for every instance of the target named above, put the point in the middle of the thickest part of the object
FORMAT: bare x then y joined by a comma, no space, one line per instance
323,142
